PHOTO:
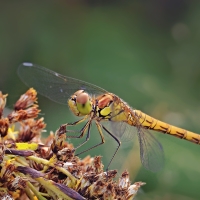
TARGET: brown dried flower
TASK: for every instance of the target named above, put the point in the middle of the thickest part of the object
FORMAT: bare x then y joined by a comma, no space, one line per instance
26,100
30,169
2,102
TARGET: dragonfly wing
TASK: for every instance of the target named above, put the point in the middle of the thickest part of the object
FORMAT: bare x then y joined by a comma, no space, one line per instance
54,85
151,151
123,131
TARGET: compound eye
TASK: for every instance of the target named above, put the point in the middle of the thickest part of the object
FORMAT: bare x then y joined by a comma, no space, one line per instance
78,92
82,98
83,103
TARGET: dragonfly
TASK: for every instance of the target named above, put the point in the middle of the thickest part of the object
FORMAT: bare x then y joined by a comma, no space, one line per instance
94,104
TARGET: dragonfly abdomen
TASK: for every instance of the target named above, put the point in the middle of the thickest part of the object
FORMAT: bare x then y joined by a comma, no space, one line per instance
157,125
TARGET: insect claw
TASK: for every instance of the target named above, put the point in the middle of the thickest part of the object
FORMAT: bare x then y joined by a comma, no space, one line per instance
62,129
73,150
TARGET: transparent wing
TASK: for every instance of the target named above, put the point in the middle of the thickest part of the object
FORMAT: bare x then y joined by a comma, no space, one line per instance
123,131
151,151
53,85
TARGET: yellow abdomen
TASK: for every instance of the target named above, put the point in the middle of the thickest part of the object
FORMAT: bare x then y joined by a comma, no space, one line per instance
157,125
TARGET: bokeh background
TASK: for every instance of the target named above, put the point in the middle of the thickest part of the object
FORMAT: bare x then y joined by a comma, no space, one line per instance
147,52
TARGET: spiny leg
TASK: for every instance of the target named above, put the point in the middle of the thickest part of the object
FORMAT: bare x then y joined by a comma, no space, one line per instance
63,128
88,136
87,126
76,122
82,131
60,134
119,143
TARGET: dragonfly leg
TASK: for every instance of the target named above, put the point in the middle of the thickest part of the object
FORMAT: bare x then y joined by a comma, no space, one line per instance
88,135
76,122
60,134
82,131
87,126
63,128
119,143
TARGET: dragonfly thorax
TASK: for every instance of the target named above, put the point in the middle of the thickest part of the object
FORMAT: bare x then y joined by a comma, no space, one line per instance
104,105
80,103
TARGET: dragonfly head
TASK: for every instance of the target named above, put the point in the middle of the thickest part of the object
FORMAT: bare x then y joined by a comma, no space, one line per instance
80,103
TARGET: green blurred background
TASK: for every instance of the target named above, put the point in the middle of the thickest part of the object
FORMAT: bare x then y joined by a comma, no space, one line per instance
147,52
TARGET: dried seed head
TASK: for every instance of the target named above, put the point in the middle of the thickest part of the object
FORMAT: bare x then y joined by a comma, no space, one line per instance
30,169
5,196
17,183
98,188
124,181
65,154
133,189
20,115
26,100
4,125
30,130
110,192
98,165
2,102
59,140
